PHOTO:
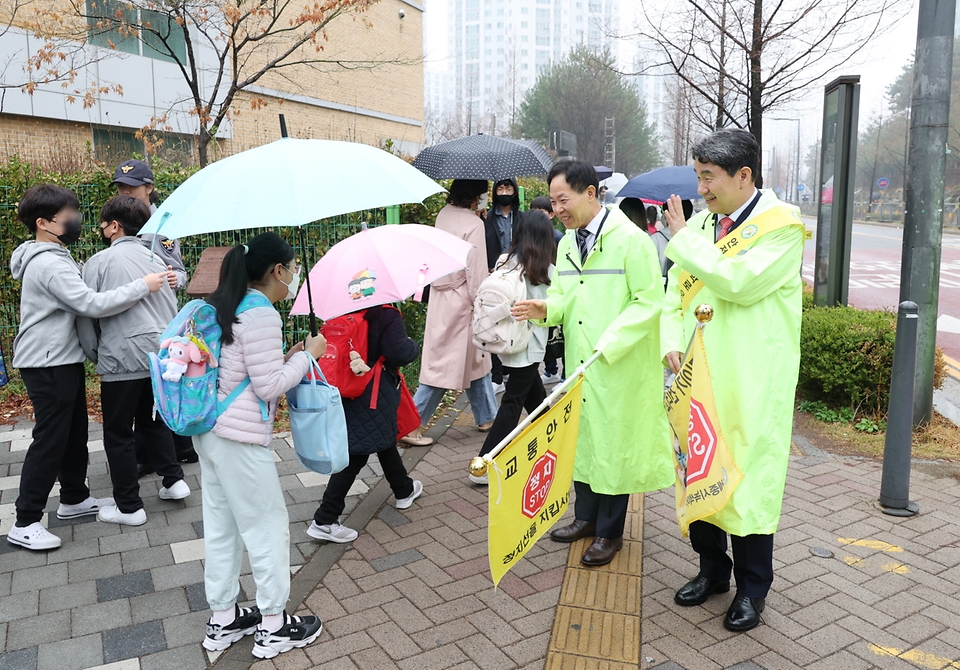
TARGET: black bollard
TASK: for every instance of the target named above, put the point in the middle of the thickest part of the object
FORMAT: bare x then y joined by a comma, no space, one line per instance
895,482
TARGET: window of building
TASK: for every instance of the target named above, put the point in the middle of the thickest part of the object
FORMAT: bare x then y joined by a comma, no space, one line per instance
543,40
524,25
113,145
114,25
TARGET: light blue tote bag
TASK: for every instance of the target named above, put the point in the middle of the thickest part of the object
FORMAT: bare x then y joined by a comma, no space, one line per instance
317,423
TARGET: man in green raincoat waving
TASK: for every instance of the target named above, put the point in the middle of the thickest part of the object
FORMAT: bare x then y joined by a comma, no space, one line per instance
607,293
742,257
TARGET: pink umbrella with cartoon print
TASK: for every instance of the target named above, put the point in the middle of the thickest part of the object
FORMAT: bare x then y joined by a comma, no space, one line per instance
380,266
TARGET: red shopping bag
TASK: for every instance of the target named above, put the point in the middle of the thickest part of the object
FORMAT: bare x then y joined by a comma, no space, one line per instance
408,418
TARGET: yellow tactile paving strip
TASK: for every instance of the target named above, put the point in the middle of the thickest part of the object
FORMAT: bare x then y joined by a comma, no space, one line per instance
597,624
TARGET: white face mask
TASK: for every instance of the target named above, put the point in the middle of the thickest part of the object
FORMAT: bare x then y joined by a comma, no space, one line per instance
484,201
292,286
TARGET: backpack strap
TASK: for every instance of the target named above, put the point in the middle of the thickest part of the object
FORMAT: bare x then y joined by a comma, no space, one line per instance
249,301
375,391
235,393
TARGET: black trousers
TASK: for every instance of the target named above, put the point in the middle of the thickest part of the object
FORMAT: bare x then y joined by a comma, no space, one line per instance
126,403
331,506
496,371
182,444
524,391
59,447
608,512
752,562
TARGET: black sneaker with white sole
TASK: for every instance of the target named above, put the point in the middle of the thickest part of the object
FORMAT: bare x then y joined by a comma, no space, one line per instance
220,637
295,633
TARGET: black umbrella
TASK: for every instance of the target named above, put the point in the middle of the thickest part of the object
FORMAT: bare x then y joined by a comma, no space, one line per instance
483,157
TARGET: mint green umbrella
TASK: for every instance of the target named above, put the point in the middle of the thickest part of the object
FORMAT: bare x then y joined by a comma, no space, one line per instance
289,182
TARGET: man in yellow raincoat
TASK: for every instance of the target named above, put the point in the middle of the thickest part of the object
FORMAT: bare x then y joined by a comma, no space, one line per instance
753,345
607,293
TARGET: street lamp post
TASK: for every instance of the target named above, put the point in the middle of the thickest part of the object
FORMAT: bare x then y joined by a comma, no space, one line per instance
796,185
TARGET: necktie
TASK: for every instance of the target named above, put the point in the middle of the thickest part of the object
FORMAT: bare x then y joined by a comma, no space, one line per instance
582,235
726,223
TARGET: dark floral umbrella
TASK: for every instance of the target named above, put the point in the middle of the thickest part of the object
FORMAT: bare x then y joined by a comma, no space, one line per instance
483,157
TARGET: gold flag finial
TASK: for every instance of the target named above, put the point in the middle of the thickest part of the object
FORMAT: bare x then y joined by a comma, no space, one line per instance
478,467
703,313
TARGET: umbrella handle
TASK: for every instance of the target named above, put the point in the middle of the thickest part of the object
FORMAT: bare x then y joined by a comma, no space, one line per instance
313,317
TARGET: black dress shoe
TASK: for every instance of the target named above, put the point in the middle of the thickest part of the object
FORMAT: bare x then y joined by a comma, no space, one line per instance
698,589
575,531
187,456
601,551
744,613
144,470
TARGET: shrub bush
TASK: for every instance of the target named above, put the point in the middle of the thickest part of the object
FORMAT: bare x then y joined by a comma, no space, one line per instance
846,358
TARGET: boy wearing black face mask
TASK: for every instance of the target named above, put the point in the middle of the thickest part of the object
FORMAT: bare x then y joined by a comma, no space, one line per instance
120,345
48,353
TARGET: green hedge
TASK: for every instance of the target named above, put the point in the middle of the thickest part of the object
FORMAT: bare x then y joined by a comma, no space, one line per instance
846,357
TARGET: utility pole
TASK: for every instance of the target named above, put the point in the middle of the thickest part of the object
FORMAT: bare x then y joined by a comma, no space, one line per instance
923,219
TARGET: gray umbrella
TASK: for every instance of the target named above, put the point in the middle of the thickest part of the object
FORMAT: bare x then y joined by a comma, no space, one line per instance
483,157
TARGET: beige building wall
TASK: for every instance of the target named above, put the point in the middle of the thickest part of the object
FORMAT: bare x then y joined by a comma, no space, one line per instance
45,141
375,95
371,91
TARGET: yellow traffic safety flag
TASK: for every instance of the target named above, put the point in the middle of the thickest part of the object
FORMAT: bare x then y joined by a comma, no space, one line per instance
530,482
707,475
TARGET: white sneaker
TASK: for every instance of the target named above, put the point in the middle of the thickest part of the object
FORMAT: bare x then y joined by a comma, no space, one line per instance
178,491
481,480
219,638
404,503
551,379
499,388
295,633
34,536
113,514
88,507
332,533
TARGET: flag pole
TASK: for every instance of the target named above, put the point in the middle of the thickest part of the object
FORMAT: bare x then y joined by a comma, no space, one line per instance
478,466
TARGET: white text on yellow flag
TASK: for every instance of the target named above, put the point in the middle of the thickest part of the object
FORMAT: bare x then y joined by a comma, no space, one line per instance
530,482
706,472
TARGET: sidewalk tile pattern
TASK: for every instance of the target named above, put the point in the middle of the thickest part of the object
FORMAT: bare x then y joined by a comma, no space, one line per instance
125,598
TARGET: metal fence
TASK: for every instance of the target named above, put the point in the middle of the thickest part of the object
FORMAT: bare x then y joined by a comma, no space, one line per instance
320,236
890,212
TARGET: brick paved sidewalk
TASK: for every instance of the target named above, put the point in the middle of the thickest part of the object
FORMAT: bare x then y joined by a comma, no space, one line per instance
414,591
886,599
131,597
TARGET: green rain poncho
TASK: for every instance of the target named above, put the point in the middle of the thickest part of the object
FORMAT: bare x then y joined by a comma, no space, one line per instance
612,304
753,347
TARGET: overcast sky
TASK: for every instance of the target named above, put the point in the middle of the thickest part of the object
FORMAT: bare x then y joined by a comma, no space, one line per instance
878,65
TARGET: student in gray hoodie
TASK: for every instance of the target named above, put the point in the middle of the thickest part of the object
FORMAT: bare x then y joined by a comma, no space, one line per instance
120,345
47,351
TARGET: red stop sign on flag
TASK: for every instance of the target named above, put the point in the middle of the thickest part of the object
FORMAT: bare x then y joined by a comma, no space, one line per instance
538,484
701,443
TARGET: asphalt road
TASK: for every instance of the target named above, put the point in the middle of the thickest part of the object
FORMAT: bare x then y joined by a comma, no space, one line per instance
875,277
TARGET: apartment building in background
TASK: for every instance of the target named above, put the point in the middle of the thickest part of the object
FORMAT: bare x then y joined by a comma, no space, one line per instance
496,49
377,98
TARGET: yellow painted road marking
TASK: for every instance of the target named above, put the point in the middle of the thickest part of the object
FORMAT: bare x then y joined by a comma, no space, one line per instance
953,366
915,656
896,568
870,544
852,560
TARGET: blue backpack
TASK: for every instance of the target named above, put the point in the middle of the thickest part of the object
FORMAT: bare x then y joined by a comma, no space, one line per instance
184,372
